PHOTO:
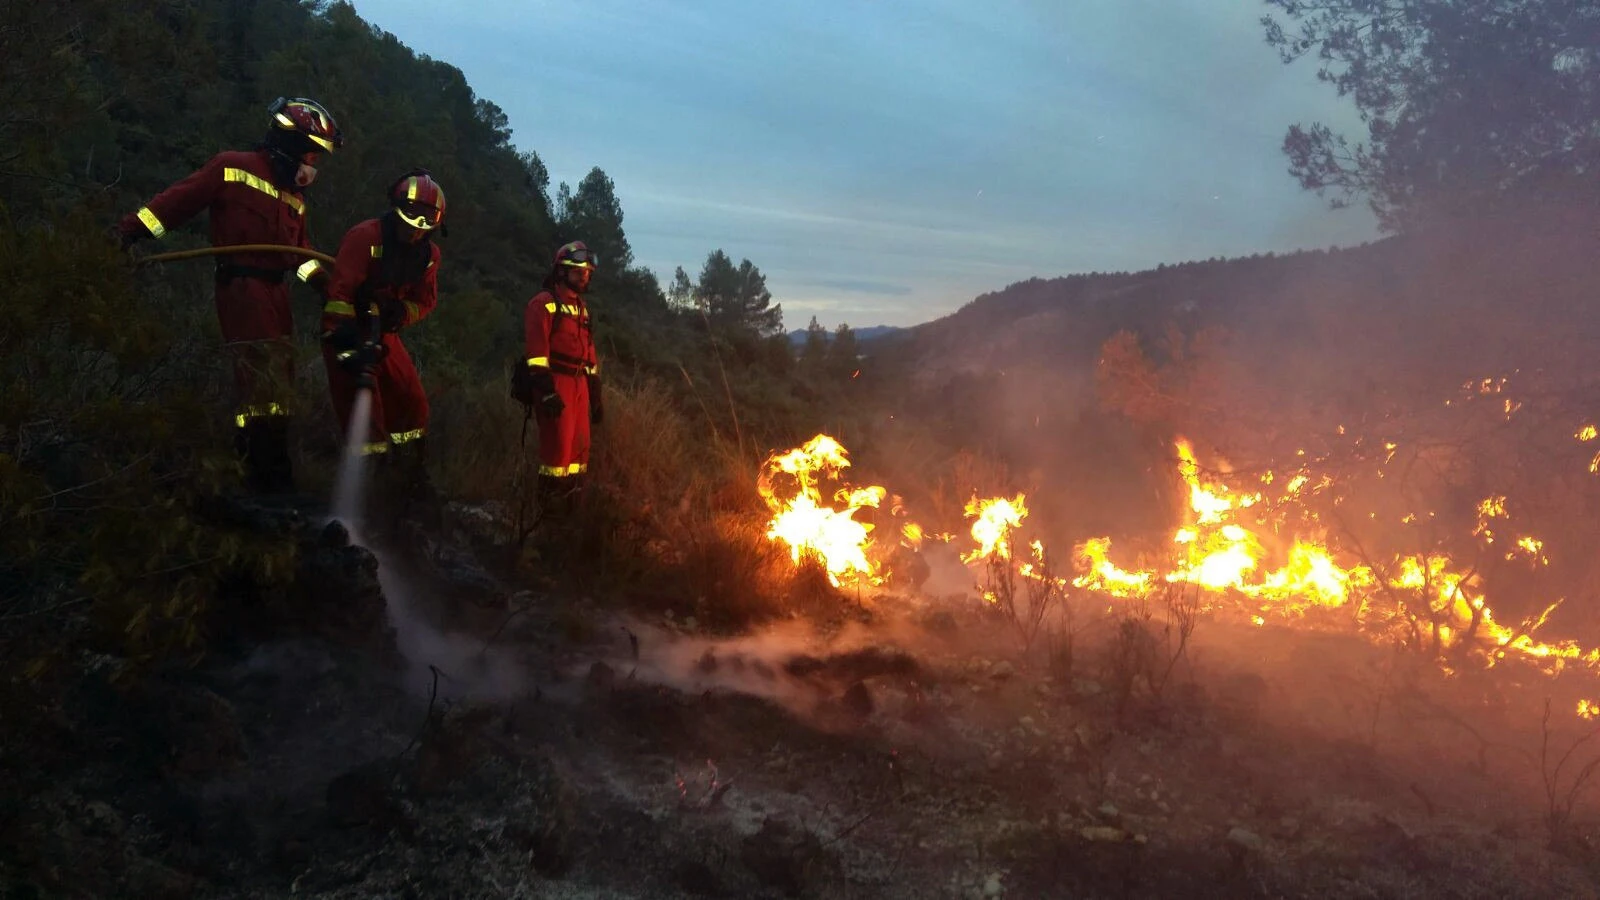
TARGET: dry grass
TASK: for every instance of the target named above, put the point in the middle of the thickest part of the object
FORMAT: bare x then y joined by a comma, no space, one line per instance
670,518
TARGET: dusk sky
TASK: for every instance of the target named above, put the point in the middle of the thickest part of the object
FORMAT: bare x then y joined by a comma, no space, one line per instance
885,161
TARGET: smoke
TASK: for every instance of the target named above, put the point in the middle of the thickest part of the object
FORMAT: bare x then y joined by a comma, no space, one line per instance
469,666
792,664
947,574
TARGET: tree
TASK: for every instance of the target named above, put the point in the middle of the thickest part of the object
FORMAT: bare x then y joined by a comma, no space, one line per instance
593,214
736,297
681,295
843,354
1466,102
814,354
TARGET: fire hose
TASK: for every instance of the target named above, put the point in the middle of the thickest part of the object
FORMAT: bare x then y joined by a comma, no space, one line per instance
236,248
368,349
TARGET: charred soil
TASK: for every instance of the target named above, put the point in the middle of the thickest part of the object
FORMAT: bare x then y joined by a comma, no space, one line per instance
334,753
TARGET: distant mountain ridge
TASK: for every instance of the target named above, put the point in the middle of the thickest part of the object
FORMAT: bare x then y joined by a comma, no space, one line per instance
863,335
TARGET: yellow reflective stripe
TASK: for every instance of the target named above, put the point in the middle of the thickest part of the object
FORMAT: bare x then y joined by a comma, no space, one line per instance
564,307
338,308
373,447
564,471
404,437
307,269
257,412
591,370
240,176
151,222
411,189
376,251
542,362
413,313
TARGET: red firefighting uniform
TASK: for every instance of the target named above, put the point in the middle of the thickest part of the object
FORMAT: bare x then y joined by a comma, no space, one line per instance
557,330
399,404
252,300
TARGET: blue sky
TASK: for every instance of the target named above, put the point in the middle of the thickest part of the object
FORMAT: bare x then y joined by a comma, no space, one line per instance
885,161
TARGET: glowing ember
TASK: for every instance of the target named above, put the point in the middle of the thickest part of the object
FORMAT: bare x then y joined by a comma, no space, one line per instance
1588,709
812,526
1587,433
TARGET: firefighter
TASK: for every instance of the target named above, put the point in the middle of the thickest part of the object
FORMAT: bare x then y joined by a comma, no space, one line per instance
386,279
562,376
255,197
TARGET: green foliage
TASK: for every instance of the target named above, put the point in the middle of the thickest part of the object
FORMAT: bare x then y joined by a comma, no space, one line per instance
735,298
116,439
1464,102
109,448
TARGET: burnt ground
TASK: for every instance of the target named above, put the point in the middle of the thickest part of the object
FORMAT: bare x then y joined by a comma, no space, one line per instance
555,750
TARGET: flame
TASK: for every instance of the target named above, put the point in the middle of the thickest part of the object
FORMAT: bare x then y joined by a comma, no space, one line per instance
811,526
1588,709
1587,433
1221,546
1217,551
912,533
996,519
1101,574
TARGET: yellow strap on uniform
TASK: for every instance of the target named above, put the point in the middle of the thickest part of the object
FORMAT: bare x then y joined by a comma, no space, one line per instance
374,447
376,250
240,176
152,222
564,471
406,437
542,362
564,307
413,313
307,269
257,412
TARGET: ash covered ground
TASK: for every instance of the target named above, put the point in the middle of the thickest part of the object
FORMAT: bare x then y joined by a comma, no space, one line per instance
421,731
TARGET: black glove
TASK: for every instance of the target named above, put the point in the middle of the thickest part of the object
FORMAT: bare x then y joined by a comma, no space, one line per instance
123,240
597,406
551,405
352,353
391,315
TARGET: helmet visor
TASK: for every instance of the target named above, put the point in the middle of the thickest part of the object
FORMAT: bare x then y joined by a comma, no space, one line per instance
418,214
581,258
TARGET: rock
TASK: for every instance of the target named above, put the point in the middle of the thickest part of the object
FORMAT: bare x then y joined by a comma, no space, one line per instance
364,796
940,621
336,592
198,731
697,878
1101,833
602,676
857,700
1002,670
548,849
1109,811
780,855
992,886
1241,840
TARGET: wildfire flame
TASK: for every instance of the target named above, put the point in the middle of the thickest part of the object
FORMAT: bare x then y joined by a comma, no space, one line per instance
996,519
810,525
1220,547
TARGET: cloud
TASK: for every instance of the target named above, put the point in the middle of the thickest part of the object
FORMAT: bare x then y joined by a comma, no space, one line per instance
908,153
855,286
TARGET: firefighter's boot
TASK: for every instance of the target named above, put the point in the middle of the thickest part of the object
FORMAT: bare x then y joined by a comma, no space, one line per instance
417,499
263,445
